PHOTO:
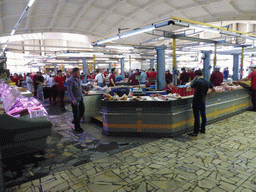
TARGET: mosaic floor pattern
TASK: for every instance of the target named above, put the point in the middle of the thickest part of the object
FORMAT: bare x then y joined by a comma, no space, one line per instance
223,159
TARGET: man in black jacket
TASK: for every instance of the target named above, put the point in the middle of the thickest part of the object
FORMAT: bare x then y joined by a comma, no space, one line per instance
201,87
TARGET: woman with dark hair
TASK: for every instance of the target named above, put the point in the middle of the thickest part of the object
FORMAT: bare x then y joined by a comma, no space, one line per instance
112,78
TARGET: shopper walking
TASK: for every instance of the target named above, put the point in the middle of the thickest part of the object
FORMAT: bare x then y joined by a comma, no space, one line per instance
40,86
75,92
216,77
59,81
201,87
29,82
252,76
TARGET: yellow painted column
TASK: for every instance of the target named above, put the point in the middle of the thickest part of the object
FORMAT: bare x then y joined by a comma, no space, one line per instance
215,55
94,62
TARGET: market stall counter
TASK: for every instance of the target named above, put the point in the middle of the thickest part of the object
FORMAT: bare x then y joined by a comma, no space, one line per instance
168,115
24,123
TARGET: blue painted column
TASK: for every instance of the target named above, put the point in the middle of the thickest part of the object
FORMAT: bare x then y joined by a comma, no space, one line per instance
206,69
109,67
151,64
55,69
122,67
160,59
235,67
85,70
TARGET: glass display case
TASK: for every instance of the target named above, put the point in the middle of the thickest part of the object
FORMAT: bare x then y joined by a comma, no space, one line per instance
17,105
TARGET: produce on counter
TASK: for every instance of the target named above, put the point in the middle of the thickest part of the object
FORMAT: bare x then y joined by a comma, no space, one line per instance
225,87
174,95
107,97
116,97
124,97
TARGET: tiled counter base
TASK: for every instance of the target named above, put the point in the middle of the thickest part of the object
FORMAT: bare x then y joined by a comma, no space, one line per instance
223,159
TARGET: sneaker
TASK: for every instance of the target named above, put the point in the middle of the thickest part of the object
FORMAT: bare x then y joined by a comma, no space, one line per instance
192,134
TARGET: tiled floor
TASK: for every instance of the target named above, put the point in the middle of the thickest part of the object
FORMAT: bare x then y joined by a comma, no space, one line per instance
223,159
66,149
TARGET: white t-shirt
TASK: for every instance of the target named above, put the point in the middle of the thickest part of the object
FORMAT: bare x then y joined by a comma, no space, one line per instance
50,81
99,78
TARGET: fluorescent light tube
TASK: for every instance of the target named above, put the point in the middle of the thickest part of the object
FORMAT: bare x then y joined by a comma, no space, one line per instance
31,3
12,33
119,47
137,31
181,24
108,40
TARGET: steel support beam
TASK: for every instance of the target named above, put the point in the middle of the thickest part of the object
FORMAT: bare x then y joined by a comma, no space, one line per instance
235,67
207,67
85,70
160,58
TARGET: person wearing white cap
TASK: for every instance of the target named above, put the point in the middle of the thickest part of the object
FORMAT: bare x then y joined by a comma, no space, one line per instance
216,77
252,76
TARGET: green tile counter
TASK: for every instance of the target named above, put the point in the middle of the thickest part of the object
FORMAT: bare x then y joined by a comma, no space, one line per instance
170,117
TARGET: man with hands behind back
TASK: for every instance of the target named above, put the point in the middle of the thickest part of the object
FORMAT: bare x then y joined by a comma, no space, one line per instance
75,92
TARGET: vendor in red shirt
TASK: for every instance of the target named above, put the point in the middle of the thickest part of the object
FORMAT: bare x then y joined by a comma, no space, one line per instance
252,76
112,78
132,80
153,74
168,76
58,80
191,74
184,76
148,74
168,87
216,77
15,79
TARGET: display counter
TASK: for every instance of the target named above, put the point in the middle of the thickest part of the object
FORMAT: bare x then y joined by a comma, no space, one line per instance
24,123
92,103
170,117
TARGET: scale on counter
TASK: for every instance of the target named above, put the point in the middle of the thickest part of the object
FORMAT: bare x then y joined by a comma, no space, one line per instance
138,90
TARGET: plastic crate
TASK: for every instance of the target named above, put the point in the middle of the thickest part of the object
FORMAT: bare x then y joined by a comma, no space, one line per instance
120,91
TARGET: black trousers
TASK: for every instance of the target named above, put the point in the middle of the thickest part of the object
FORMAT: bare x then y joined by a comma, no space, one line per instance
199,110
78,113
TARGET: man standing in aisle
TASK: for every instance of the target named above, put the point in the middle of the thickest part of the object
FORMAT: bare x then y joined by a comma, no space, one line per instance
40,86
58,80
252,76
75,92
201,87
216,77
100,78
